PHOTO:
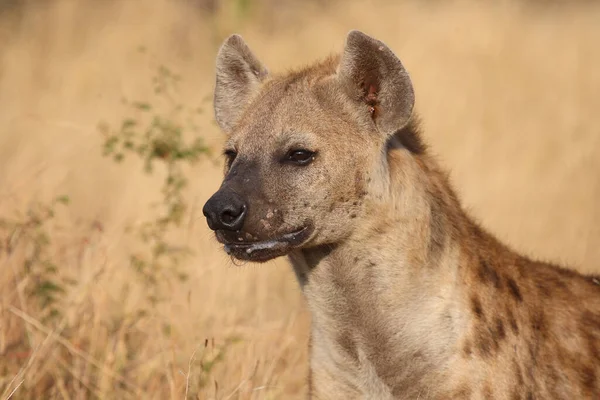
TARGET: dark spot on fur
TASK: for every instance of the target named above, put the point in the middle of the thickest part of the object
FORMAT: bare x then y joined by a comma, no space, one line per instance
355,259
306,204
467,348
512,321
358,186
543,288
355,203
539,324
499,332
488,274
484,344
347,343
353,215
514,289
476,307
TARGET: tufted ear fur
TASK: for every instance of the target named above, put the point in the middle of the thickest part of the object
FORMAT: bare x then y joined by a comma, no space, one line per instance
373,77
239,74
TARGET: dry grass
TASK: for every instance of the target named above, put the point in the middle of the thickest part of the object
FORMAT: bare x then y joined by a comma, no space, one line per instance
509,95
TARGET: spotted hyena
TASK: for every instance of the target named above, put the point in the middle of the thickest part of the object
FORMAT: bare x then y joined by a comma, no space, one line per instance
410,298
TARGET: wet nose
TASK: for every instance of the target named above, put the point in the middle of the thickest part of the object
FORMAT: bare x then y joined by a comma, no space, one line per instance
225,210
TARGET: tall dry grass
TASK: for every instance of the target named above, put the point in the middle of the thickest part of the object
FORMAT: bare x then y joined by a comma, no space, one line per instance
508,93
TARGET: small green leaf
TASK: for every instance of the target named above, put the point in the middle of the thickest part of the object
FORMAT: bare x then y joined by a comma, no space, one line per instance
142,106
167,330
64,199
128,123
49,287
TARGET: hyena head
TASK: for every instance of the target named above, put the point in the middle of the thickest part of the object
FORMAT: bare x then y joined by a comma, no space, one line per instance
305,149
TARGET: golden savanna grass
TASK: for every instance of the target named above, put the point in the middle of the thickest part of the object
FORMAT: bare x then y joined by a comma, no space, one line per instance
509,94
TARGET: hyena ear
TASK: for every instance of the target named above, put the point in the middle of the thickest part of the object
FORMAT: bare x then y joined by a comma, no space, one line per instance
374,78
239,74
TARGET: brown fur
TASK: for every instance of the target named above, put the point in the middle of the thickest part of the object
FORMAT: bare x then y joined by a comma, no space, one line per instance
410,298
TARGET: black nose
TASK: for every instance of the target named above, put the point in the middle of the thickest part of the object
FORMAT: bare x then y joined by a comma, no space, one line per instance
225,210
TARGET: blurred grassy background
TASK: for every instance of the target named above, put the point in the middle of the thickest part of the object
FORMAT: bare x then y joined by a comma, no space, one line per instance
508,92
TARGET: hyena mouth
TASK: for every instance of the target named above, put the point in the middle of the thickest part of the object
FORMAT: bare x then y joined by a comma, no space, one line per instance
268,249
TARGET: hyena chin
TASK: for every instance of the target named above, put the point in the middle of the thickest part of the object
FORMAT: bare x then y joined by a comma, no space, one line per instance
410,298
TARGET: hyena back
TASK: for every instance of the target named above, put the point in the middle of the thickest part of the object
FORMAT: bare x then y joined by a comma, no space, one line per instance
410,298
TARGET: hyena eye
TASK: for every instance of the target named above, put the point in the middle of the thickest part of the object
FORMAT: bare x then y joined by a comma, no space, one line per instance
230,155
300,156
